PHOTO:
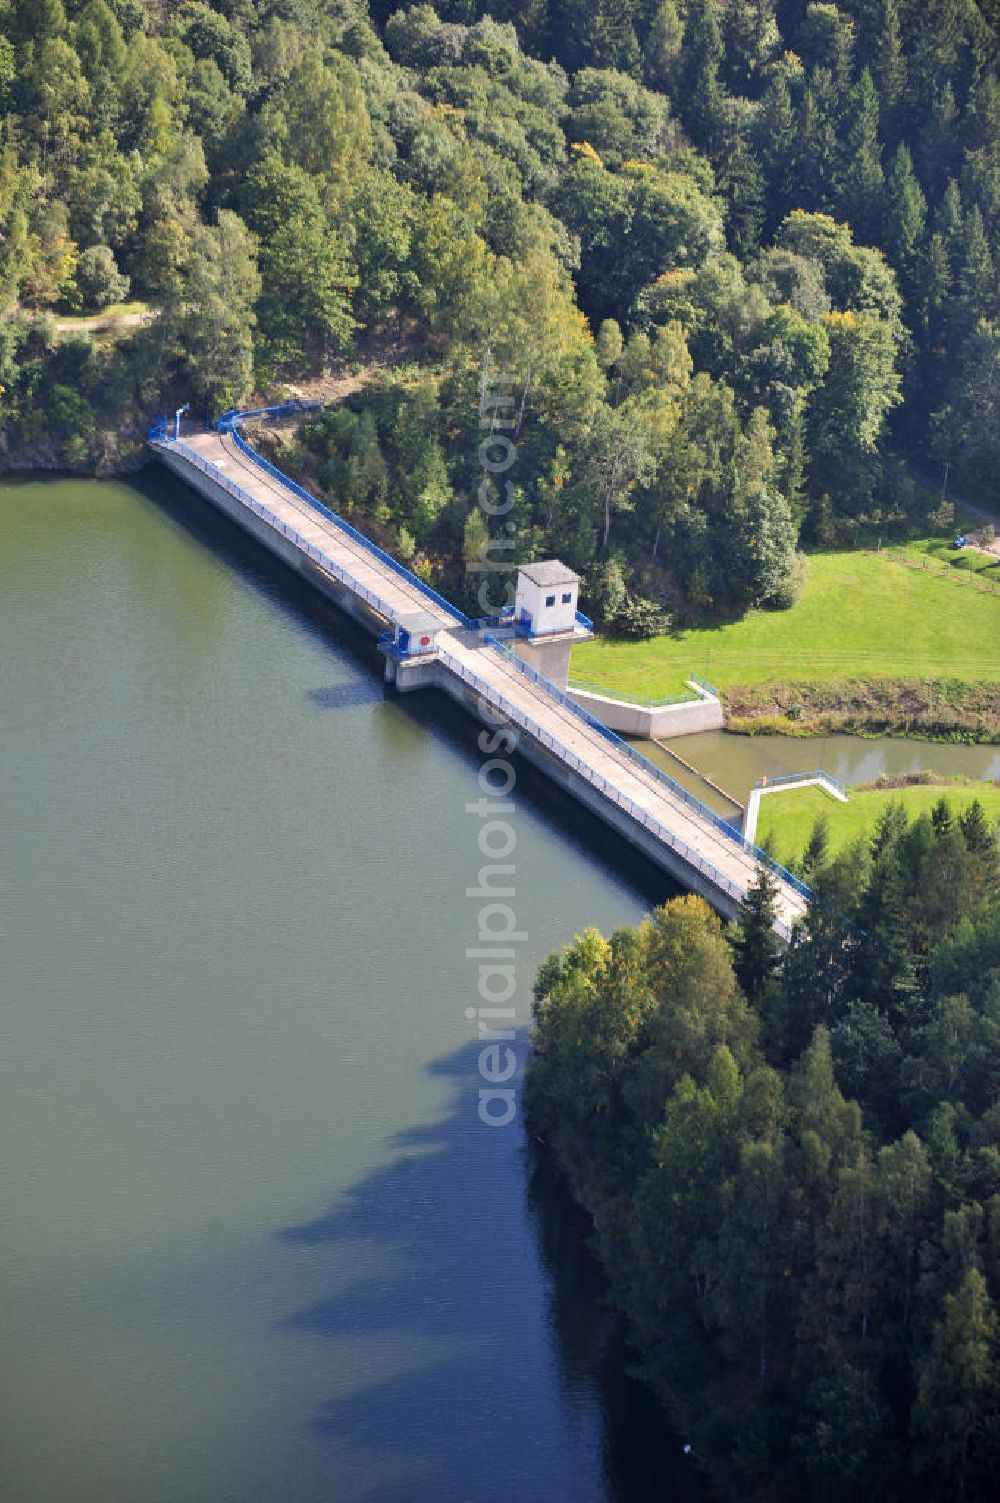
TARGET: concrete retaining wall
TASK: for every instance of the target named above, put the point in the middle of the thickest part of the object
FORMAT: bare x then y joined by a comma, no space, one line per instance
652,721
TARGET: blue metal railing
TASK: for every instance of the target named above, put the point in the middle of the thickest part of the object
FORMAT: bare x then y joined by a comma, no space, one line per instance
650,769
502,622
378,604
703,683
159,434
513,713
345,527
228,421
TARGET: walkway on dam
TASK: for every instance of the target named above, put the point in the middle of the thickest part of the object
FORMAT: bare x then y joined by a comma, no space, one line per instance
399,595
672,816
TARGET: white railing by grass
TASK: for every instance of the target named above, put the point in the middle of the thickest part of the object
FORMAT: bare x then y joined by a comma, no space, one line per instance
619,696
781,784
699,689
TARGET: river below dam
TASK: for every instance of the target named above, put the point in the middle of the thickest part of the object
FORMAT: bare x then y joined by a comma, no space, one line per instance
734,763
256,1244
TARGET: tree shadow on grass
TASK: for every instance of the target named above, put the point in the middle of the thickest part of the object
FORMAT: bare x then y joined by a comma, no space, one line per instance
508,1374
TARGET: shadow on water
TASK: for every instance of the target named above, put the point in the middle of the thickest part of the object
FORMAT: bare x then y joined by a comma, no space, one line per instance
493,1286
346,696
492,1280
256,568
642,1459
433,711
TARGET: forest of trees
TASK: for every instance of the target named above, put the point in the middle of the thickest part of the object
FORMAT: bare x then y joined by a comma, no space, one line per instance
793,1164
734,250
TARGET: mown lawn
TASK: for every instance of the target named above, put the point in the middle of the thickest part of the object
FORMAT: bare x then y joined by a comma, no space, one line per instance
860,615
787,818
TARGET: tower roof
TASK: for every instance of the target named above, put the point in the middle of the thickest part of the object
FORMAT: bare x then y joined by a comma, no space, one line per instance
548,572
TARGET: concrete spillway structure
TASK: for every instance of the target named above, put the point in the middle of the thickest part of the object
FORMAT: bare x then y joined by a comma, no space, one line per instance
493,670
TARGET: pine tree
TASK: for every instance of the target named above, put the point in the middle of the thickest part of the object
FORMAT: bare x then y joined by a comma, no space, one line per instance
701,88
949,220
662,40
883,968
741,180
976,832
756,951
936,284
862,167
776,137
906,221
737,33
958,1383
940,139
941,818
815,856
945,253
889,64
794,459
977,292
817,158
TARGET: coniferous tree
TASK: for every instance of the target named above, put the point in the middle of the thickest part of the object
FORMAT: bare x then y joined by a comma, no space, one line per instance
776,132
742,181
977,291
959,1386
939,140
862,169
756,950
817,850
817,157
889,64
702,89
906,221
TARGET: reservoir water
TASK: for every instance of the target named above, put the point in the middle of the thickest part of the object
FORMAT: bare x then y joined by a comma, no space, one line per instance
256,1244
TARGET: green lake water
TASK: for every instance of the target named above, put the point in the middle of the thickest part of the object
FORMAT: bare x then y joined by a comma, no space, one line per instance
255,1244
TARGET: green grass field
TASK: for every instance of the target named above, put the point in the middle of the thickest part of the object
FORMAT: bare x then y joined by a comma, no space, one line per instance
119,321
860,615
114,310
966,560
787,818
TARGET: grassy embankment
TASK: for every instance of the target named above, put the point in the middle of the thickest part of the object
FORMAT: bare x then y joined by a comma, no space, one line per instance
787,818
873,646
117,320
